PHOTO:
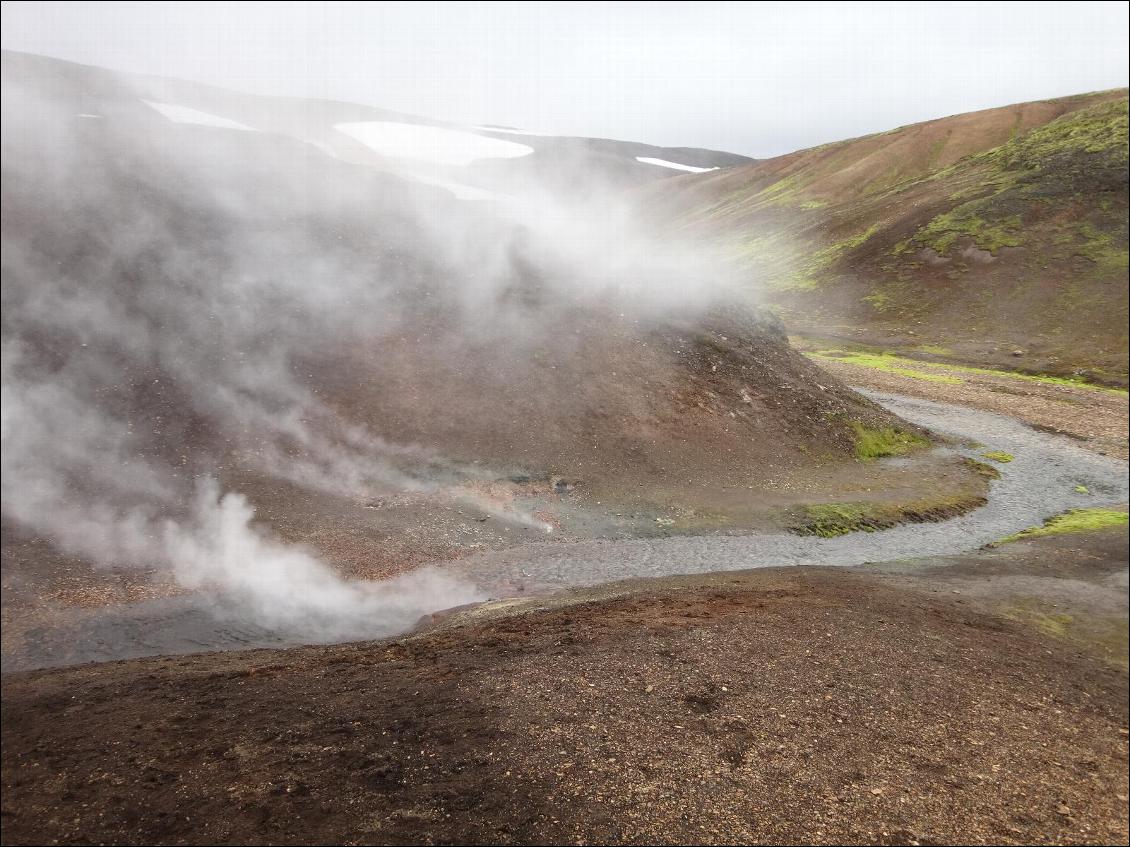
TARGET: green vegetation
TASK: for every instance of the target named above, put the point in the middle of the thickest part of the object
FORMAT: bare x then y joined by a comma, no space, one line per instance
875,443
813,204
1096,129
999,456
829,520
1099,247
1046,164
1076,520
888,363
809,276
933,350
942,231
1105,634
927,370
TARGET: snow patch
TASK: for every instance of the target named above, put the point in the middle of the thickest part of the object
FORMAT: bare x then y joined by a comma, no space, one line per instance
185,115
87,115
509,130
663,163
430,143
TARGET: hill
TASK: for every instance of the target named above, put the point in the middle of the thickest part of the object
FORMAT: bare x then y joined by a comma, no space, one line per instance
219,342
992,238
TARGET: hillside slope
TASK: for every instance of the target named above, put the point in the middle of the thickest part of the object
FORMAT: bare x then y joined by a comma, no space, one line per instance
991,237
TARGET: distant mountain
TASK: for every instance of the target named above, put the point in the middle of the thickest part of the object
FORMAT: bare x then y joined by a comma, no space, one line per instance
992,237
472,162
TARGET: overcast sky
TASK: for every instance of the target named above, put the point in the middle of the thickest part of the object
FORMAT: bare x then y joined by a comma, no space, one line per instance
754,78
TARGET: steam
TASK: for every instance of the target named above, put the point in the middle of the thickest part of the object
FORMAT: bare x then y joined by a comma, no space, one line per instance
176,301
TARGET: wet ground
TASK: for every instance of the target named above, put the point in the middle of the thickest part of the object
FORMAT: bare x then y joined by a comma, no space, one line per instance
1048,474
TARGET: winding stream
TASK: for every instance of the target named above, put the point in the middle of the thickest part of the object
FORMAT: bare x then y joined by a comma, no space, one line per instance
1041,481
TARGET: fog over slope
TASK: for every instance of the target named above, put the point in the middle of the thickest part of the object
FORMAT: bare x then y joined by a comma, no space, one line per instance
191,311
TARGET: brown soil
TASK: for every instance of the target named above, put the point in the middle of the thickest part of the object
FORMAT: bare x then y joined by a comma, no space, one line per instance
772,706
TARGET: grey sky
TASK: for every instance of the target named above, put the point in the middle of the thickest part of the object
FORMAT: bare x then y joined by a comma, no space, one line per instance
754,78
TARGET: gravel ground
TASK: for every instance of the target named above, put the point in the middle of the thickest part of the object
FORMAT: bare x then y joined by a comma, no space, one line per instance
792,705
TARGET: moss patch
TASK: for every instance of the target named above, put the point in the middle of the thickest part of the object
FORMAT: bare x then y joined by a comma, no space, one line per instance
1105,635
1076,520
945,229
830,520
998,456
879,442
916,369
810,276
890,364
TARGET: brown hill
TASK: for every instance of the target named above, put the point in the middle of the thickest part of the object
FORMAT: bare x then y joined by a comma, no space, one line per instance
992,237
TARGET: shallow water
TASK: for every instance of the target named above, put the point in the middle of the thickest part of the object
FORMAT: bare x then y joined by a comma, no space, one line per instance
1040,481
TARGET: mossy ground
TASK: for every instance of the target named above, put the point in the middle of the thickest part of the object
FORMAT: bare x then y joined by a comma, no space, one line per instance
998,456
1076,520
829,520
880,442
1106,635
929,371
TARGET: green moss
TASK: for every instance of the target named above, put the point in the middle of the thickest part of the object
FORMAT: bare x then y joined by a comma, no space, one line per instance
888,363
1097,129
810,275
999,456
830,520
813,204
941,232
1076,520
1105,635
880,301
781,189
933,350
833,519
1054,624
917,369
879,442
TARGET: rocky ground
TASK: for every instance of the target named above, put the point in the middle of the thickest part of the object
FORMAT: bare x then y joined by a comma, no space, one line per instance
894,705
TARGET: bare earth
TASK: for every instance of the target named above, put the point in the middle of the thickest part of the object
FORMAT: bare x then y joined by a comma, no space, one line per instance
790,705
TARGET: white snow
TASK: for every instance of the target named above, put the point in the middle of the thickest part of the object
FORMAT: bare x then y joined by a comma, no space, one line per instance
430,143
185,115
663,163
507,130
87,115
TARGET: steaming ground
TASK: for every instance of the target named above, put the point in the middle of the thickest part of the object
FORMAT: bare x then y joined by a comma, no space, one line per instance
223,347
1043,479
